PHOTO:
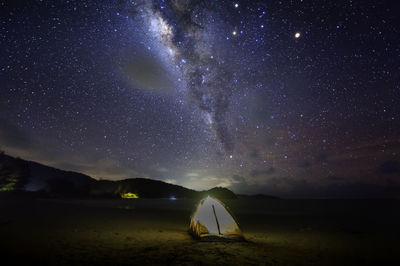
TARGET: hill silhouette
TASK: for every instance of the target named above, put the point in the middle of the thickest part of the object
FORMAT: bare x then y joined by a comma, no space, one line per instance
20,175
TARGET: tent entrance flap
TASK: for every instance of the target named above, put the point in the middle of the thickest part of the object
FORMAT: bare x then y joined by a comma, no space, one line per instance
216,219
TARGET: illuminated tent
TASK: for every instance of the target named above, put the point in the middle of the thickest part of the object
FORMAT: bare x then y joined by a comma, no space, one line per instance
129,195
211,221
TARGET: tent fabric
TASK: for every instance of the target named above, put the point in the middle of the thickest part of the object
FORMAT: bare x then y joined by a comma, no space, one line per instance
211,220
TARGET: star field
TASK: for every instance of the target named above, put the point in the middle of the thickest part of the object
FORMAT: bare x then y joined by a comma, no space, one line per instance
292,98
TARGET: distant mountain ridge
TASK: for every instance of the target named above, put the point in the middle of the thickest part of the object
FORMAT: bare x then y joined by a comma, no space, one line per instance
20,175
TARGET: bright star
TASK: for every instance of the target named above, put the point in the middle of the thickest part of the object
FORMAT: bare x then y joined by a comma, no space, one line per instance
297,35
236,5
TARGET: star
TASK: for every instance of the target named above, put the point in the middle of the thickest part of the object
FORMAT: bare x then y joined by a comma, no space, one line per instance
297,35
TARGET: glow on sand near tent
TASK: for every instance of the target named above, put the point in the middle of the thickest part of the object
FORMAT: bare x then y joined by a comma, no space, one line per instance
205,216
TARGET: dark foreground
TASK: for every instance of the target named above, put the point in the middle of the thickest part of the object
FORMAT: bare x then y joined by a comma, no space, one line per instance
148,232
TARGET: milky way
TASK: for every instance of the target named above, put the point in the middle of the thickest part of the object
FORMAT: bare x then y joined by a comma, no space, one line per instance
293,98
183,28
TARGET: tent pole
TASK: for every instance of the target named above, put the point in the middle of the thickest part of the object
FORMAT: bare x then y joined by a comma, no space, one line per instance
216,219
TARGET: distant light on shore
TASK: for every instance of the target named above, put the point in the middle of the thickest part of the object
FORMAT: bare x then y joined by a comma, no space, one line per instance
172,198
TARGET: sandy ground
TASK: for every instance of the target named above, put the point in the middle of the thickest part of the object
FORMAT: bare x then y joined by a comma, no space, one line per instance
154,232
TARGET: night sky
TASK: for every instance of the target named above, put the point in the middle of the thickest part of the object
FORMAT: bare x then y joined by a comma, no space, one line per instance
291,98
